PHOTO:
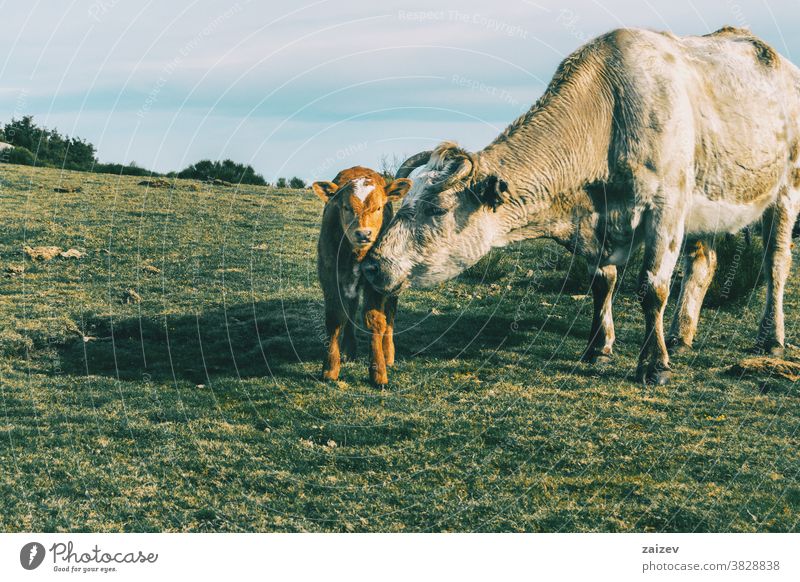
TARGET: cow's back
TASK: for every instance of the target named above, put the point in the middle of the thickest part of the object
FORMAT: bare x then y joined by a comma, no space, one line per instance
725,102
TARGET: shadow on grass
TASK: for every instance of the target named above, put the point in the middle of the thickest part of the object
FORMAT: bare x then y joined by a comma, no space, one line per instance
270,338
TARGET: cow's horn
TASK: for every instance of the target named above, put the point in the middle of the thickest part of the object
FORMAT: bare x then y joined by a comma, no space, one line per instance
413,163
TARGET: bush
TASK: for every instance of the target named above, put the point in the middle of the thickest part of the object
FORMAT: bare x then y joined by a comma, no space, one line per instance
52,149
18,155
123,170
389,164
297,183
226,170
281,183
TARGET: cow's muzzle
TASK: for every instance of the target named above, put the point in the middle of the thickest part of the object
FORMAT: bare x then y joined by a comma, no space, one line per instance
378,277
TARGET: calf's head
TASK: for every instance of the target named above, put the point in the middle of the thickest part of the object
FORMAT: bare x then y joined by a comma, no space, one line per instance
360,196
449,220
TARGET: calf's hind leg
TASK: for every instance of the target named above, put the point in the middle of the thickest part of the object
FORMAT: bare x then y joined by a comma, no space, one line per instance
334,322
700,262
777,235
349,344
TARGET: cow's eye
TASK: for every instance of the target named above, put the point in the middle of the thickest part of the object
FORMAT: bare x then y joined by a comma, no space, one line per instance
432,210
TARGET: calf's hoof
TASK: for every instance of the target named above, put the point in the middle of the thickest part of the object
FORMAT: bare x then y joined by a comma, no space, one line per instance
349,353
380,383
379,379
330,375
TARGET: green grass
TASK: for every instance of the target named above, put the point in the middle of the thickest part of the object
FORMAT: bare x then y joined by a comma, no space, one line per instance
200,408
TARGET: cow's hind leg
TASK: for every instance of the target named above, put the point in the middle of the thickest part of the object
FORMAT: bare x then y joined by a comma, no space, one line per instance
700,262
662,246
601,335
777,235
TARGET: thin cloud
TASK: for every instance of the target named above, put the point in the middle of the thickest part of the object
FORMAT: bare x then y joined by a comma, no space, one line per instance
213,79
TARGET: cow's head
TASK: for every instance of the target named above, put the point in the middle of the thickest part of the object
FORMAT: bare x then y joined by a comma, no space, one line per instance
360,195
451,218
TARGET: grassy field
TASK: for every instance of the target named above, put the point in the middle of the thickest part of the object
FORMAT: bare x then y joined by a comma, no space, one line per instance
200,409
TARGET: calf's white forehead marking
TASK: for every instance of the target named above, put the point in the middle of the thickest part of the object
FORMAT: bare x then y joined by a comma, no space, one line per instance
362,188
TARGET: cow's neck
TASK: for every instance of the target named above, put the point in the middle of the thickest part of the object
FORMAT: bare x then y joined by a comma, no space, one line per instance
549,156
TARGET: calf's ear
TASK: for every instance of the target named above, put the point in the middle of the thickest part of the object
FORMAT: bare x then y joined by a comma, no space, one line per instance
324,190
398,188
492,191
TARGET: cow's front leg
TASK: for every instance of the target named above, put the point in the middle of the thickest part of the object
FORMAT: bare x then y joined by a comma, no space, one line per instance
700,262
375,319
601,335
662,246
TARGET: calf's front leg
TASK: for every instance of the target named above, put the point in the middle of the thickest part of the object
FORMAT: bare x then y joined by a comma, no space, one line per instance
388,336
375,319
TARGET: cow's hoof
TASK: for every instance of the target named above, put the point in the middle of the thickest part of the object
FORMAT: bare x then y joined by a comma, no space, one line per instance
659,377
596,358
601,360
330,376
775,351
675,346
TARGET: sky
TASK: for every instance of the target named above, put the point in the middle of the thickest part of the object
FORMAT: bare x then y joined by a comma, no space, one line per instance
309,88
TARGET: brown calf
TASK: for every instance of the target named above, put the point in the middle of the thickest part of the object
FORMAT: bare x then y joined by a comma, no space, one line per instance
356,210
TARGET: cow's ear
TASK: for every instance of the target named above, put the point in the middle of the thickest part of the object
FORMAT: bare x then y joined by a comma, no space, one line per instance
398,188
325,190
492,192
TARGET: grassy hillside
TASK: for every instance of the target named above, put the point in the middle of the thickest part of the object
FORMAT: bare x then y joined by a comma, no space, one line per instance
200,409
